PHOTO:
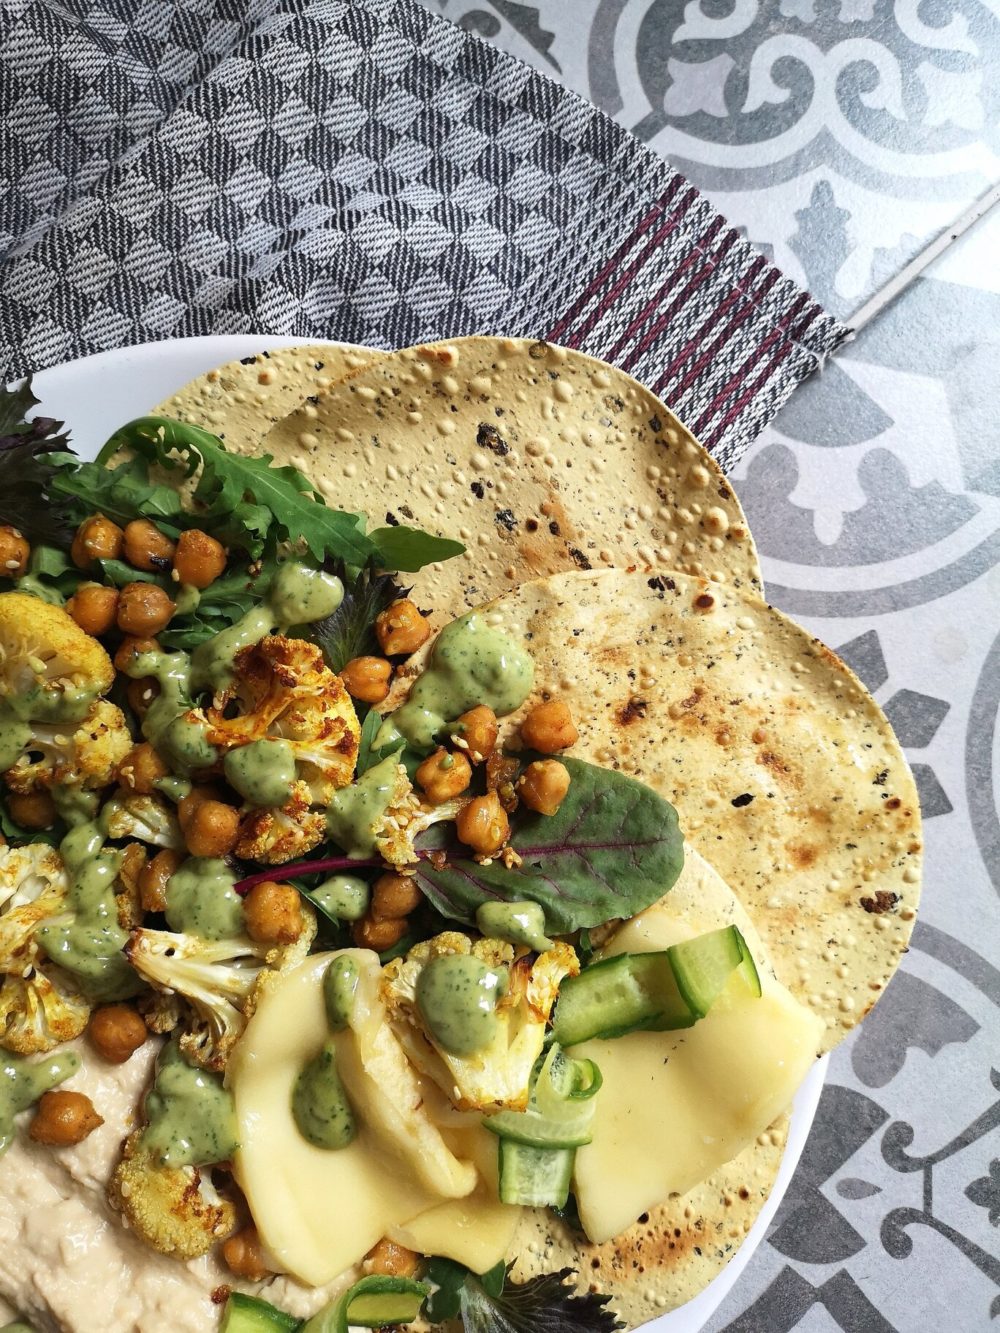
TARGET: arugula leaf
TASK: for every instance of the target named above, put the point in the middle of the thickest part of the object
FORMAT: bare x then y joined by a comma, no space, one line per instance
121,493
350,631
490,1303
410,549
612,848
221,604
27,468
51,575
242,499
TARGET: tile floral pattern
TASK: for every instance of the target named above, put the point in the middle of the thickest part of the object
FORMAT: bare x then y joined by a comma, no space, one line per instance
842,135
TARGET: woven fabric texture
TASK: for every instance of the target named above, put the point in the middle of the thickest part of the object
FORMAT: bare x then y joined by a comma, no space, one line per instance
362,170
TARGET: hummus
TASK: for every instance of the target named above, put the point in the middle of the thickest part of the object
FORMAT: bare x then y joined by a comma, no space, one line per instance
66,1261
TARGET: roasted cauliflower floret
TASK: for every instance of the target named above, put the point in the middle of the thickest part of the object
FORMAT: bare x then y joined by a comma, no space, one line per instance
39,1005
43,649
74,754
175,1209
219,981
148,818
396,827
283,688
279,834
499,1075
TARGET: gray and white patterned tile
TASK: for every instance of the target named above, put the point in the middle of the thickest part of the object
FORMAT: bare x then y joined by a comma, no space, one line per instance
841,135
875,501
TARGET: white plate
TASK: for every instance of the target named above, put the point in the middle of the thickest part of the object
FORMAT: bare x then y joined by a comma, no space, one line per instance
99,393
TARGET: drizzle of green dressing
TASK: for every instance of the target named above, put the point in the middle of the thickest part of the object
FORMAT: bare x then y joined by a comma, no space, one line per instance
298,595
201,899
48,703
191,1120
340,986
320,1106
520,923
179,738
354,811
74,805
187,599
472,663
86,938
457,995
262,772
14,736
173,788
22,1082
344,897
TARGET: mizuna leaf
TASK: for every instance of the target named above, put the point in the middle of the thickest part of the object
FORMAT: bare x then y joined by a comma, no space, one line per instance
29,451
612,848
350,631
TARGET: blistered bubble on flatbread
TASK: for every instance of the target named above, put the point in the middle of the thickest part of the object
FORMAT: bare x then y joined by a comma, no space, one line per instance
538,458
242,400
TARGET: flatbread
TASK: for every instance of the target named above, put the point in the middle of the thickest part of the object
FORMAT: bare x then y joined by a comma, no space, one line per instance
242,400
785,773
540,459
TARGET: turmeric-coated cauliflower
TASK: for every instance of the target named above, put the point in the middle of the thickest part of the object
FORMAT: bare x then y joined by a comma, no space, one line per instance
284,833
498,1075
175,1209
73,754
220,980
39,1005
394,827
43,649
283,688
151,819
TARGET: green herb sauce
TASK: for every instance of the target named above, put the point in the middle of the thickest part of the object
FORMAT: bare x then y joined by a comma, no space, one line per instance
457,995
22,1082
86,939
191,1117
344,897
14,737
74,805
187,599
298,595
174,788
201,900
472,663
181,739
320,1106
340,986
50,703
354,811
262,772
520,923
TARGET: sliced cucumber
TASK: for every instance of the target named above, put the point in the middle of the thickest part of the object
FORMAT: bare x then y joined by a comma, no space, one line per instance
559,1112
628,993
370,1303
748,968
535,1177
702,966
248,1314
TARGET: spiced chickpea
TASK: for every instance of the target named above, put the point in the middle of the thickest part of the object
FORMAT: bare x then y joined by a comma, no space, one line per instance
244,1255
367,678
210,828
400,628
14,552
378,935
97,538
444,775
141,769
143,609
153,879
394,896
273,913
140,694
391,1260
549,727
117,1031
130,648
94,608
482,824
64,1118
476,733
146,547
35,809
199,559
543,786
